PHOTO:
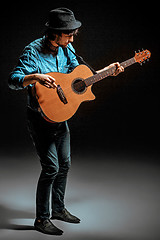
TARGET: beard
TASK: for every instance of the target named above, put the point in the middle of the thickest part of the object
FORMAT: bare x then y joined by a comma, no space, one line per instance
59,42
63,45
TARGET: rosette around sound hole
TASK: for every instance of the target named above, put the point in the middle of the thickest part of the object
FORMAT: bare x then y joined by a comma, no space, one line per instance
79,86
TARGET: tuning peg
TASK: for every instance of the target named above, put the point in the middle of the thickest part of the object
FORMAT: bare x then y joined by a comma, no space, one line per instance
142,49
139,51
147,59
144,61
141,64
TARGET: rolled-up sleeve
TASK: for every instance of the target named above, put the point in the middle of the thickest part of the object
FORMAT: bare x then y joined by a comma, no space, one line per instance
27,64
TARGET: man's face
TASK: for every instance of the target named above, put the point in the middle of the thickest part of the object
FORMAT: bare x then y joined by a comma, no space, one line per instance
64,39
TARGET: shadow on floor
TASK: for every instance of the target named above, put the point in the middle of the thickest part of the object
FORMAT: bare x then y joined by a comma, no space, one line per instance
8,214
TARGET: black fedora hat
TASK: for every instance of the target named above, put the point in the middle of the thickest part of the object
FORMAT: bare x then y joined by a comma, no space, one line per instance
62,19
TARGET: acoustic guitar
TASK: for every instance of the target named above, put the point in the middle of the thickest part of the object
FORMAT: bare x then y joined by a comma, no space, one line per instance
60,104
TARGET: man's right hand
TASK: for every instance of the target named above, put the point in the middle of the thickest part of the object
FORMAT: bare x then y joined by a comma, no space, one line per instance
46,80
43,79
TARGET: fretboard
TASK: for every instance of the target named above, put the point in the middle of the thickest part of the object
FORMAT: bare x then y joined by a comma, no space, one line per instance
106,73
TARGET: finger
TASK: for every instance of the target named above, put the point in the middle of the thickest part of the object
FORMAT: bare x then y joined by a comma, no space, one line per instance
50,85
117,64
54,85
120,69
52,81
46,85
51,78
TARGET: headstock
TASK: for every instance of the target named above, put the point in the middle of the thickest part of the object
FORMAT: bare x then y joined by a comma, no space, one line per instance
142,56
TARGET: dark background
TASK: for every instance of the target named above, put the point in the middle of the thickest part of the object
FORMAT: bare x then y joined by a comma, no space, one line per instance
115,172
125,114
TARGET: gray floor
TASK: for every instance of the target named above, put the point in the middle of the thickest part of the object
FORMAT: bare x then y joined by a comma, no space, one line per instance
116,197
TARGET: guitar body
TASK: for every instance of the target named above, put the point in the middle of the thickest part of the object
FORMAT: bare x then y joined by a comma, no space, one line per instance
59,108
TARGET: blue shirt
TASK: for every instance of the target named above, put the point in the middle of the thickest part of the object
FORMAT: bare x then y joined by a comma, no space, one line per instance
34,60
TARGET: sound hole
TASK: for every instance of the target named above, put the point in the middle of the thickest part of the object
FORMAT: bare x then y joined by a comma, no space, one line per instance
79,86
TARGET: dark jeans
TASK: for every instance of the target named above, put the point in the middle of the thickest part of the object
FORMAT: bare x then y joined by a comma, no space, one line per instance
52,142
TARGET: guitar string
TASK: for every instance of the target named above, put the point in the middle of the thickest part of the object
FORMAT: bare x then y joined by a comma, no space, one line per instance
104,74
99,76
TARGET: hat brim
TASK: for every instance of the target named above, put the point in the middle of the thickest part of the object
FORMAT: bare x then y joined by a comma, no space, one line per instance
70,26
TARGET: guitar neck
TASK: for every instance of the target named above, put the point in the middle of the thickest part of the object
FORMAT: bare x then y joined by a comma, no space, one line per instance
106,73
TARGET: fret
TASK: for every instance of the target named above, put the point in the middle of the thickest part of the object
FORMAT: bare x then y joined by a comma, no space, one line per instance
128,62
106,73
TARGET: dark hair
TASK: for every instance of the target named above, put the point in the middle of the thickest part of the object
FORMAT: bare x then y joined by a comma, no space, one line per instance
51,33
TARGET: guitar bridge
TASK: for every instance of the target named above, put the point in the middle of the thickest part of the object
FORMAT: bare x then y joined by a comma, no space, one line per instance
61,94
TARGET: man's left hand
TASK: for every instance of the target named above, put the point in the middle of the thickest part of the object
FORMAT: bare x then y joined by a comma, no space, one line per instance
118,70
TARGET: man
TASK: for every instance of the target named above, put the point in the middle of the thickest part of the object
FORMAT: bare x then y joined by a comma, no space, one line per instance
52,140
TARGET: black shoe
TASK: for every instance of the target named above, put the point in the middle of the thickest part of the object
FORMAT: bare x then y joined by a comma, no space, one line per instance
65,216
47,227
